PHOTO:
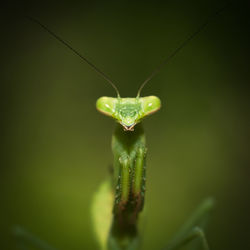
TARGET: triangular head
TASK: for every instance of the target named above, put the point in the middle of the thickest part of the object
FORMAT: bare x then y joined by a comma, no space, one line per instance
128,111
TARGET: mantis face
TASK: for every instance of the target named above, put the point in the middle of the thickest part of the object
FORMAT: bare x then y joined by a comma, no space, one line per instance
128,111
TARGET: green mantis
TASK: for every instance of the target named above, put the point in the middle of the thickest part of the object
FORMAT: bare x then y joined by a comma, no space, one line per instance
129,149
122,196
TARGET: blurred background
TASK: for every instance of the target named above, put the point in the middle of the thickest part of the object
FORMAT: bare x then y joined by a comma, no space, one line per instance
56,146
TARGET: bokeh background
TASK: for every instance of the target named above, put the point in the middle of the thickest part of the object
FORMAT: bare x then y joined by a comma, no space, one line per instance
56,146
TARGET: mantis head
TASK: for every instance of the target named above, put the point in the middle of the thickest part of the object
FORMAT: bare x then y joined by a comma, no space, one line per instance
128,111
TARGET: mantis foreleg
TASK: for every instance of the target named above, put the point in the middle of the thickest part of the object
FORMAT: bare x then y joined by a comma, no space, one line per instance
129,162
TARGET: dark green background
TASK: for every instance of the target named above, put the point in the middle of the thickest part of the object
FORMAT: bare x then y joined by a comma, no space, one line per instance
56,146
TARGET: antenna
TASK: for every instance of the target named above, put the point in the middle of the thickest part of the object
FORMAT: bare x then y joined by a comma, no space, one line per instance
181,46
77,53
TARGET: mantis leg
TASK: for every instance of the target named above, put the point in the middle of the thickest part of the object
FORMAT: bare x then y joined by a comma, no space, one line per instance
125,178
129,178
25,240
139,178
194,228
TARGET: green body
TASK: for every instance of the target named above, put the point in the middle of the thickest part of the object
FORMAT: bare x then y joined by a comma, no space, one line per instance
129,150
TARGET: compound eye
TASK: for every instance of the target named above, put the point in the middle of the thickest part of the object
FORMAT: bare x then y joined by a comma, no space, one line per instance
150,104
106,105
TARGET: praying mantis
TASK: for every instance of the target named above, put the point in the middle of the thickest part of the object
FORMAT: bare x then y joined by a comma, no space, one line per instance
124,192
